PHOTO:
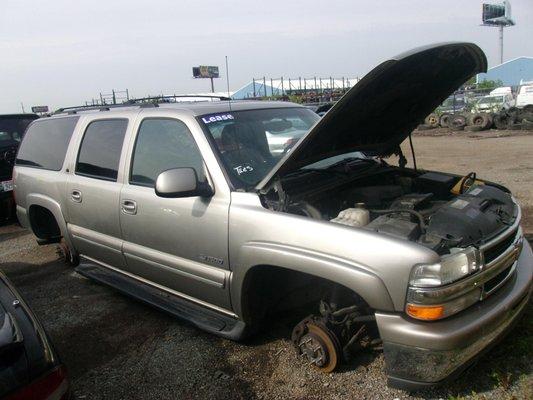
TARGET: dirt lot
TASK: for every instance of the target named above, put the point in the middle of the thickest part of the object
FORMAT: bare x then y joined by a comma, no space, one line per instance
117,348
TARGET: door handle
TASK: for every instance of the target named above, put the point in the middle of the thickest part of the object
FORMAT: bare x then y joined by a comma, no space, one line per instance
76,196
129,207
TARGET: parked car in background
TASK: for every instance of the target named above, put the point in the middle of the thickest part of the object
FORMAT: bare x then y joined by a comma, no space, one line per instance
29,365
524,97
499,99
12,128
453,104
189,207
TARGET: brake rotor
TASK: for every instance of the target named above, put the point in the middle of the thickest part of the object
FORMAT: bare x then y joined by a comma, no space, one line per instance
316,342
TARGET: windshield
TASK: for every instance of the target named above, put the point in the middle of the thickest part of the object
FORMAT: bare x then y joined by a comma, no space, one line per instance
491,99
453,102
12,129
251,142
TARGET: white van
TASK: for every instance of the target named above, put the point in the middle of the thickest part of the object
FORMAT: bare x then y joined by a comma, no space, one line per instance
525,95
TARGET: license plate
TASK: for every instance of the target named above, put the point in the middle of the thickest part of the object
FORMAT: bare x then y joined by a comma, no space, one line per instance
7,186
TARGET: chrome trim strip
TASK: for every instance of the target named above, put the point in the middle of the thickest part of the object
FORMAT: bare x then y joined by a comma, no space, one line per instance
163,288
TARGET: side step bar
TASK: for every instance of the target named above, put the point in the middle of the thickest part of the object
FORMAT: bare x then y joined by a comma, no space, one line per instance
201,317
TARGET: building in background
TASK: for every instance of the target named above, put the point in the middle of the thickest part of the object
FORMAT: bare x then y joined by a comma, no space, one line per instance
511,72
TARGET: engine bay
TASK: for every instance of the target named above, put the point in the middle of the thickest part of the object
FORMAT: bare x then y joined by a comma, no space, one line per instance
438,210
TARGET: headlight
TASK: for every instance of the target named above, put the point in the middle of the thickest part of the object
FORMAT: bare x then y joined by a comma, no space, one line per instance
430,297
450,269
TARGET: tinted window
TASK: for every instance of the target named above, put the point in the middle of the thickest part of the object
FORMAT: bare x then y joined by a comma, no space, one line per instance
100,149
163,144
45,143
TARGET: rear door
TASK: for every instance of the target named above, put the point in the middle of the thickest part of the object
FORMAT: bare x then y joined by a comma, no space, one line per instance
178,243
93,191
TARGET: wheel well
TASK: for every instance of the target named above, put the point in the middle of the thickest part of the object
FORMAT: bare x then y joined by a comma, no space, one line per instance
44,224
270,289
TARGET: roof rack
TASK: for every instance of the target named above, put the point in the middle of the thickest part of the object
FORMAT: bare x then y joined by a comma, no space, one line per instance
175,96
75,109
141,102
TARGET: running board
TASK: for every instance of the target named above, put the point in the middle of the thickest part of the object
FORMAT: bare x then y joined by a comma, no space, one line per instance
201,317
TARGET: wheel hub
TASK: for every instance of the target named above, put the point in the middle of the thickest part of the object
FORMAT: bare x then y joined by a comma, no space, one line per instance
317,343
312,347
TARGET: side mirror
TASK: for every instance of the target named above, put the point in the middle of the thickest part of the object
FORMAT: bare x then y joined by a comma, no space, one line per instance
181,182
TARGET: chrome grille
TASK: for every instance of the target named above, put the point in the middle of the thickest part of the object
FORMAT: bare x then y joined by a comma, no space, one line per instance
493,252
500,259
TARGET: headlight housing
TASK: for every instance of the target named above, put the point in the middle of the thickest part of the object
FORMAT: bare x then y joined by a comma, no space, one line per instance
451,268
430,297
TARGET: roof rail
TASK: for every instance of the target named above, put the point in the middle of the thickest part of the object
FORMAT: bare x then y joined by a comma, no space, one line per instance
142,102
176,96
105,107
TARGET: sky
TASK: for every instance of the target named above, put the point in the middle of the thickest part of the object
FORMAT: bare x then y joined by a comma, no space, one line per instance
64,52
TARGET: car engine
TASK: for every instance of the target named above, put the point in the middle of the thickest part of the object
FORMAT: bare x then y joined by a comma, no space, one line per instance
437,210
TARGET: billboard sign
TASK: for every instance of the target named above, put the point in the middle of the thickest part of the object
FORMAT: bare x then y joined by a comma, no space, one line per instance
39,109
497,14
205,71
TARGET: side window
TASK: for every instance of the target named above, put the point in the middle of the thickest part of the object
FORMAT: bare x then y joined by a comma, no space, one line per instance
100,149
163,144
45,143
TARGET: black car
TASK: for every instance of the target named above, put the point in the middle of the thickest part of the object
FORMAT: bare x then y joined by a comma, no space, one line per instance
29,366
12,128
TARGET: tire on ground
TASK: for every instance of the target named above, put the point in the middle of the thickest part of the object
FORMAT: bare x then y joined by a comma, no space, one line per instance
444,120
501,121
514,127
527,125
528,108
457,122
527,116
432,120
483,120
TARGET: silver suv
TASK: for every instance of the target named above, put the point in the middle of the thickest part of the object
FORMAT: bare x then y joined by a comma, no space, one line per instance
187,207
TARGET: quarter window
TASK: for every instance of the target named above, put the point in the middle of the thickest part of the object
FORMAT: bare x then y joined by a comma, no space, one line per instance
100,149
45,143
163,144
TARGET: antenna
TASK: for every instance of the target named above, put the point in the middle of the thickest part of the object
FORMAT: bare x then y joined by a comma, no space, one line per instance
227,83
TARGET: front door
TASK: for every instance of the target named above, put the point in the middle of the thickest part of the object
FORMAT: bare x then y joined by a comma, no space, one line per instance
177,243
93,193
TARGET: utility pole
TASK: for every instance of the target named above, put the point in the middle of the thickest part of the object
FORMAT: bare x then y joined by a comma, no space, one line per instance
501,43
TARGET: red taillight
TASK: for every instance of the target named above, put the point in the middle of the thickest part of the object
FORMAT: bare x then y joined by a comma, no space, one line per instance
54,385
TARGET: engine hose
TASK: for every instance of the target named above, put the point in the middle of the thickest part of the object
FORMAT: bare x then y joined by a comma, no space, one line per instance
419,216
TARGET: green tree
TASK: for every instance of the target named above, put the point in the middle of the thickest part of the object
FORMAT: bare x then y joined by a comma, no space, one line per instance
489,84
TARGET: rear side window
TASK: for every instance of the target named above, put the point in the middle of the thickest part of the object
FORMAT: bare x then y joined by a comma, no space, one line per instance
45,143
100,149
163,144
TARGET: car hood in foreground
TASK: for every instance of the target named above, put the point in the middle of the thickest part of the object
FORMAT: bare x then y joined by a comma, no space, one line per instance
384,107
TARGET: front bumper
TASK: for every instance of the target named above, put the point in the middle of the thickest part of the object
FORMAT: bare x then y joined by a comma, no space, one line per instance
420,354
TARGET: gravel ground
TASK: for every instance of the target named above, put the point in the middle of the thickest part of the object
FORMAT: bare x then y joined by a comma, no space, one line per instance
117,348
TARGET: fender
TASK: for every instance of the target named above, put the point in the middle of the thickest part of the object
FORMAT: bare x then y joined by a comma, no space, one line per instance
54,207
344,272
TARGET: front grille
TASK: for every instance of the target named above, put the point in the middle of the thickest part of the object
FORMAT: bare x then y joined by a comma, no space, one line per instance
493,252
492,283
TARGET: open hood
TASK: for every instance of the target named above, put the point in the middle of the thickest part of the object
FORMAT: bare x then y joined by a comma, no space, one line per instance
384,107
